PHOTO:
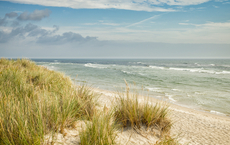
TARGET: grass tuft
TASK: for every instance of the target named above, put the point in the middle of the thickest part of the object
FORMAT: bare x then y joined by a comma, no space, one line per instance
129,111
101,130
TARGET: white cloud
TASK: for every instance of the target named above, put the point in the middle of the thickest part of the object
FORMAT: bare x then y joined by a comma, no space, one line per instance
137,23
110,24
36,15
221,0
209,33
178,2
137,5
184,24
90,24
212,25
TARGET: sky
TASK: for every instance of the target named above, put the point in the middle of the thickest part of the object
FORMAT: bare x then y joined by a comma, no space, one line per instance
115,28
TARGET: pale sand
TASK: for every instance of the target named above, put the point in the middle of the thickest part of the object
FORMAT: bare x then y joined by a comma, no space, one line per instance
193,127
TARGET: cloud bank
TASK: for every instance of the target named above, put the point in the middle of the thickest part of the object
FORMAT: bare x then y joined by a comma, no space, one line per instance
4,21
11,15
137,5
36,15
43,36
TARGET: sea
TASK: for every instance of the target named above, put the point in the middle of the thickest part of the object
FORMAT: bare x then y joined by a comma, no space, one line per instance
201,84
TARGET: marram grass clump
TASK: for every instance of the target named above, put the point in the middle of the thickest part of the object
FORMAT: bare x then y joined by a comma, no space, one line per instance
101,130
35,101
129,111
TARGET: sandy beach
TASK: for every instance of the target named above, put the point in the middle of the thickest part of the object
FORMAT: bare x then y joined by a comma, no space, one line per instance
191,126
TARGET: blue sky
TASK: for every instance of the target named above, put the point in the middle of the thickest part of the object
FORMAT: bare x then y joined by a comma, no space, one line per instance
115,28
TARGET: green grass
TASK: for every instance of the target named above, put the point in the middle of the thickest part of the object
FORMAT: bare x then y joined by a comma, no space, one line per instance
130,112
101,130
35,101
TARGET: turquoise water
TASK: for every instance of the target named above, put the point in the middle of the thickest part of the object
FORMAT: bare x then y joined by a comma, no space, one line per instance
199,84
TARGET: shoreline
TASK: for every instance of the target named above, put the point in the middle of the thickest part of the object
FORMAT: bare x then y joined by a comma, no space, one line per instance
193,126
172,105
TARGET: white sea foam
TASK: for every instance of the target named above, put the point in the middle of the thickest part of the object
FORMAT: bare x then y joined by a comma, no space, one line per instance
199,70
191,70
212,64
95,65
216,112
126,72
170,97
158,90
49,67
197,64
199,93
55,63
180,69
156,67
177,90
141,74
223,72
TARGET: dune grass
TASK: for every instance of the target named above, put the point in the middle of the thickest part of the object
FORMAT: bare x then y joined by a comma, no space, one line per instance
101,130
129,111
168,140
35,101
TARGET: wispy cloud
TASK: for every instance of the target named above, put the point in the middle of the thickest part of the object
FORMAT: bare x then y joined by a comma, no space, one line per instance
90,24
110,24
184,24
137,23
178,2
102,23
136,5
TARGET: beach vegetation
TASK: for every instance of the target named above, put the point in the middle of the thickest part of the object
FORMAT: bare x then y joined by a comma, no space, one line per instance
131,111
35,101
101,130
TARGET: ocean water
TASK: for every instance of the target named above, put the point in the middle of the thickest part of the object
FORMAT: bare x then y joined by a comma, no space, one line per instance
200,84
